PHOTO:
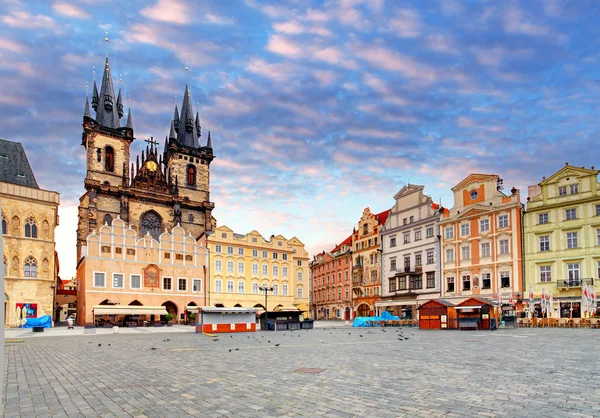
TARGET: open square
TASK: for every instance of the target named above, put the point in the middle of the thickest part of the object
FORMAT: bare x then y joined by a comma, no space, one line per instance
368,373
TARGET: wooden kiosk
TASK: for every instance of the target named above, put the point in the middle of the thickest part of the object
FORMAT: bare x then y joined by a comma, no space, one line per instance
477,314
437,314
284,318
218,320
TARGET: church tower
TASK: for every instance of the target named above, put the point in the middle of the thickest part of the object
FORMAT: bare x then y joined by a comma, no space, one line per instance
160,191
186,160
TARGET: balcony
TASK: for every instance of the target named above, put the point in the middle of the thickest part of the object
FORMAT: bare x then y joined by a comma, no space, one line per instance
574,284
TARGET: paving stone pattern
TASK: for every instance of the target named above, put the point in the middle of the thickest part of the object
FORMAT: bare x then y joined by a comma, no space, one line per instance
523,372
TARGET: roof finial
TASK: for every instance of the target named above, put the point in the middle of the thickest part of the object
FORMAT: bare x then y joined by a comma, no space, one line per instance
106,40
86,109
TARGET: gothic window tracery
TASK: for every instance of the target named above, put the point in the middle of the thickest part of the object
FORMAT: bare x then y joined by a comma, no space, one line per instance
4,225
30,267
151,222
45,229
30,228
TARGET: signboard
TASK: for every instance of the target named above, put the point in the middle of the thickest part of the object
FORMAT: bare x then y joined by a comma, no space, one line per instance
444,318
26,310
485,316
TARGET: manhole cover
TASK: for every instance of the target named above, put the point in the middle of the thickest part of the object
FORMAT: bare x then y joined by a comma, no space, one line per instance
308,370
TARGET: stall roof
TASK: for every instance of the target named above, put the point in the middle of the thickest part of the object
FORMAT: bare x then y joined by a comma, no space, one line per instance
469,307
129,310
480,301
223,310
285,309
438,301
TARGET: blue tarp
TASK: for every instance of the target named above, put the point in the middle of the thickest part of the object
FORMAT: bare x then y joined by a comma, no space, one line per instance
389,317
361,321
43,321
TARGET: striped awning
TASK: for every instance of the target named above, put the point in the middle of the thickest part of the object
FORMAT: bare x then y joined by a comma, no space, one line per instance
129,310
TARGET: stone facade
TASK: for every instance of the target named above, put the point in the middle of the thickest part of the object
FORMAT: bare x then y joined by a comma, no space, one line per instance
562,237
240,264
29,258
411,253
366,269
118,267
331,274
482,242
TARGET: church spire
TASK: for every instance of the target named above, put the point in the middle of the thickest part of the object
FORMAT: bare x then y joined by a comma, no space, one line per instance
187,134
120,104
86,109
209,142
129,120
106,114
95,97
176,119
199,131
172,134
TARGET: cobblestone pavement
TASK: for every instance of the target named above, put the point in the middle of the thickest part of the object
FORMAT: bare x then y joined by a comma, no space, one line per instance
366,373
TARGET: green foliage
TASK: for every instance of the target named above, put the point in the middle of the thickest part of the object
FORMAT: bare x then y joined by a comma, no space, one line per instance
169,317
191,316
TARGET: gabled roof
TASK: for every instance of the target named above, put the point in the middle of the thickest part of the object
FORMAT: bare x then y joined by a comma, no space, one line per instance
347,241
474,210
438,301
474,177
382,217
478,300
14,166
408,189
569,170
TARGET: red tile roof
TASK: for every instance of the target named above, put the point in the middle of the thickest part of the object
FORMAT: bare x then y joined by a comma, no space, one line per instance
347,241
382,217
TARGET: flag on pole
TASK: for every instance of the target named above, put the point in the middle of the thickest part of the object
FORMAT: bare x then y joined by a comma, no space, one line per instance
543,301
584,298
531,302
551,304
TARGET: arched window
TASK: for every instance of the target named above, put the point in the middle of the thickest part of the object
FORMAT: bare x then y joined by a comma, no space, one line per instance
30,267
30,228
107,220
4,225
109,159
191,175
151,222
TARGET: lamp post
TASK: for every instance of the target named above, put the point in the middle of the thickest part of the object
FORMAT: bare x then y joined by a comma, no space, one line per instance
265,290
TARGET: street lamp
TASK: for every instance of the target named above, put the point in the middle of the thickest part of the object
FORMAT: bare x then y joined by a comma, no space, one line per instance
265,290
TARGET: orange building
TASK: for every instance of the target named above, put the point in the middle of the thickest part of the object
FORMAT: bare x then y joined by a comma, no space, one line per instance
331,286
139,278
366,271
482,242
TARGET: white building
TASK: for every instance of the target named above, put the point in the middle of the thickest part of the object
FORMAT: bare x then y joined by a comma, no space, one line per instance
411,253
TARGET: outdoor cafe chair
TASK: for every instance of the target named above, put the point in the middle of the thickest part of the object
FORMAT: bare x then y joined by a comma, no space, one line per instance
594,322
576,322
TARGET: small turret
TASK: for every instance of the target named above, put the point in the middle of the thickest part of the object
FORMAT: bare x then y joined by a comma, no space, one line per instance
172,134
86,109
129,120
95,97
198,125
120,105
209,142
176,119
106,114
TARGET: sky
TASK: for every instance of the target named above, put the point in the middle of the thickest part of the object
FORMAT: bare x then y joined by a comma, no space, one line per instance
318,109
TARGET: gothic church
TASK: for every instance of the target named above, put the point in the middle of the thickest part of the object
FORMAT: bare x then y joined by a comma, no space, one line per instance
157,192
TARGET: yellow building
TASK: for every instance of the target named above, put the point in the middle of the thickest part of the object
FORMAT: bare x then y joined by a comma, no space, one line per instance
242,264
29,216
120,269
562,237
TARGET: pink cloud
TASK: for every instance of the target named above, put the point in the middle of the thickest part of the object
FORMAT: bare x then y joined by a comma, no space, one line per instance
70,10
405,24
170,11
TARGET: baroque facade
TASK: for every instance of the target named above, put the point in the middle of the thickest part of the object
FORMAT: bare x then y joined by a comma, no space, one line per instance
562,237
331,284
157,192
366,269
29,218
482,242
411,253
243,263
